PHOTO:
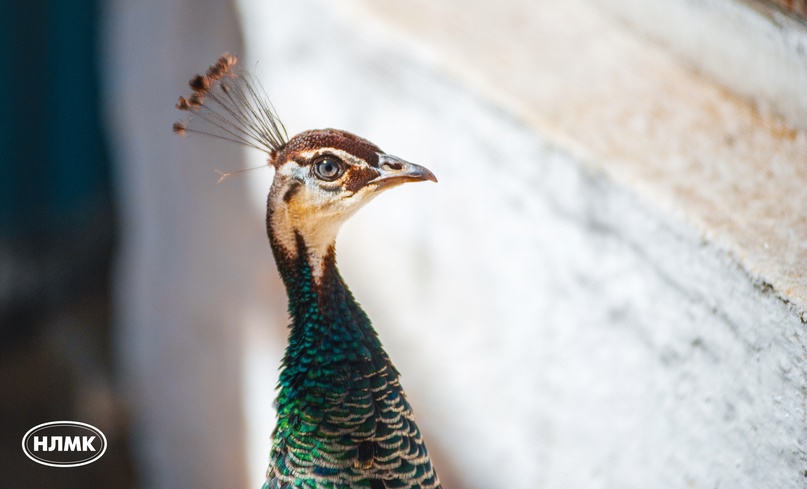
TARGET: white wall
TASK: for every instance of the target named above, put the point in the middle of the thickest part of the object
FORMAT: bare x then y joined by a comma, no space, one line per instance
558,322
748,46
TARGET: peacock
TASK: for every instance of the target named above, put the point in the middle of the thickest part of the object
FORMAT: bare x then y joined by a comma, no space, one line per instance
343,420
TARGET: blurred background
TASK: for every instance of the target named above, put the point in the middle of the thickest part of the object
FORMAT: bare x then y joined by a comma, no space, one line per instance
606,288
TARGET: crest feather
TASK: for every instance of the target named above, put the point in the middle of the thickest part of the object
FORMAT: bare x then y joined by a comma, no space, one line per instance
231,105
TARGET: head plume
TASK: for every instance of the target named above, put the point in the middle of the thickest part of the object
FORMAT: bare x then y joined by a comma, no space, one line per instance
231,105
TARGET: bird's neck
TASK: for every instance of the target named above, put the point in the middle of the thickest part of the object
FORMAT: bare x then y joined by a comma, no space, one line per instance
329,332
306,261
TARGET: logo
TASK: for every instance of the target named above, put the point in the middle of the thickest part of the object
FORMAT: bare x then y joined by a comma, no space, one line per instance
64,444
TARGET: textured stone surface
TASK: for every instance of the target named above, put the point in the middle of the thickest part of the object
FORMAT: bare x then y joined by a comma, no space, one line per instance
750,47
622,105
580,301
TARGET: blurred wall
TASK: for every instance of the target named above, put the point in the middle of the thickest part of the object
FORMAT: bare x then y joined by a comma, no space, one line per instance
57,232
56,219
192,263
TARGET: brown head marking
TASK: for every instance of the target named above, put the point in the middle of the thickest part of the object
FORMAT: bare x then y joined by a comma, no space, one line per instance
331,138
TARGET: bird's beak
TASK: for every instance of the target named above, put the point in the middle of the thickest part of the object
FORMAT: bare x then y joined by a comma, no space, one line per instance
395,171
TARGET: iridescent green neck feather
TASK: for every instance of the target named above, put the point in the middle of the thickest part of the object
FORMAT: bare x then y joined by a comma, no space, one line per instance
343,418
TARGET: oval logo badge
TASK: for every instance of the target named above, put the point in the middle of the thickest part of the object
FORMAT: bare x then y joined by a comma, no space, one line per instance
64,444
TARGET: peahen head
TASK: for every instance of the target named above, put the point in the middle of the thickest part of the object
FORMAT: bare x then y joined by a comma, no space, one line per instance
322,177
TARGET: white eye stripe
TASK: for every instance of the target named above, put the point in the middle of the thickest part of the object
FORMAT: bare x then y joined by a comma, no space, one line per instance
339,153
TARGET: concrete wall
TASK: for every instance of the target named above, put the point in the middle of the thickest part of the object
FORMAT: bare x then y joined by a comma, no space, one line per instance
749,46
568,306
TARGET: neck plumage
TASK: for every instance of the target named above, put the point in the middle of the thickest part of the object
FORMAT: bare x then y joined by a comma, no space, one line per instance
342,417
330,333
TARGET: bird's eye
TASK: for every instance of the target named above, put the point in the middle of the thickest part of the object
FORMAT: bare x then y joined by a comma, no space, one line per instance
328,168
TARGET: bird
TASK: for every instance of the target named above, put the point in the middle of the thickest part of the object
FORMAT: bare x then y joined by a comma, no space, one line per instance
343,419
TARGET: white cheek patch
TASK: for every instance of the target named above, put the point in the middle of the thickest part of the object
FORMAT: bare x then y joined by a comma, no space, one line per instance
313,215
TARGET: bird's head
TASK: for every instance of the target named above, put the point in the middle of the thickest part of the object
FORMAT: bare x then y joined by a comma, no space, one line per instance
322,177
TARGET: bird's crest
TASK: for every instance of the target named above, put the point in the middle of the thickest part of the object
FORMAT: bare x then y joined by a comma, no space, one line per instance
230,104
